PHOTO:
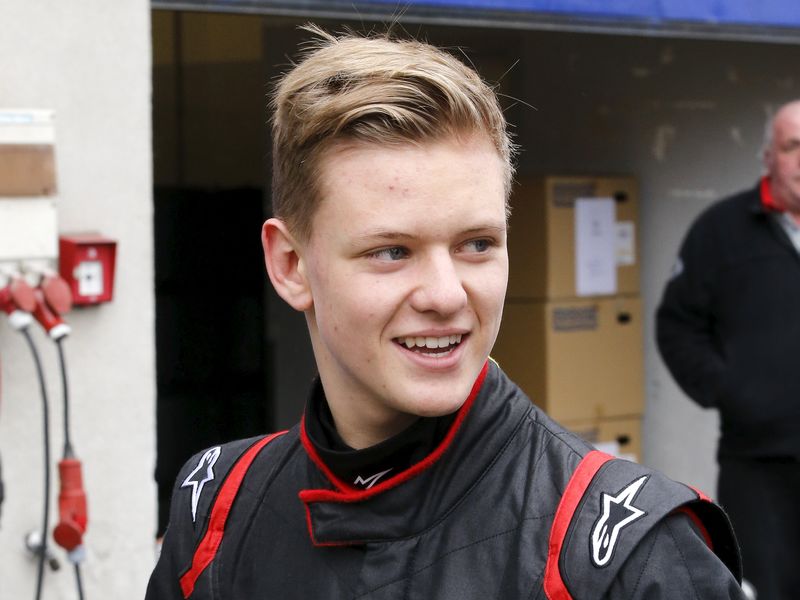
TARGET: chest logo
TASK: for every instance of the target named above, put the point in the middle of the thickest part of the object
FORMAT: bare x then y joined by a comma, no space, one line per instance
368,482
200,476
617,512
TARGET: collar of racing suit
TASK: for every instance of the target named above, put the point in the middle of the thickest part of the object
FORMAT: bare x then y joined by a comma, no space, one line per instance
415,499
366,467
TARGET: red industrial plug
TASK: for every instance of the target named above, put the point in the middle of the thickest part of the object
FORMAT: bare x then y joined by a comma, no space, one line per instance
53,299
56,293
17,300
73,516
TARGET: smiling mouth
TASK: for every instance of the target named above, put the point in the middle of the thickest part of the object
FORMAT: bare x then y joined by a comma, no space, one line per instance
431,346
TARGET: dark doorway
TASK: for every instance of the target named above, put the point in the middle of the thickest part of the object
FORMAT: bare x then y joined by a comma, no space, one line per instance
209,142
210,325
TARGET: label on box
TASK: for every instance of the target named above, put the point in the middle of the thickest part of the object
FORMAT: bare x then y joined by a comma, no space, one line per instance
626,243
595,247
575,318
565,193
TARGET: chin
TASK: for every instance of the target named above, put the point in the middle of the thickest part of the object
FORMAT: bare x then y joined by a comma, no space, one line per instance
437,405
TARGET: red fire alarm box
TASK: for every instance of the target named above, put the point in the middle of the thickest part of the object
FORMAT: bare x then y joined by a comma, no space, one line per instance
86,262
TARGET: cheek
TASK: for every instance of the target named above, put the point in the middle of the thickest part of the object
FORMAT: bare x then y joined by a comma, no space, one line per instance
489,295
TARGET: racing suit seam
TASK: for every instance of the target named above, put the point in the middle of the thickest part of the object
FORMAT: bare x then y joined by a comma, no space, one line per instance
413,573
412,561
482,540
683,558
537,588
562,436
474,484
644,566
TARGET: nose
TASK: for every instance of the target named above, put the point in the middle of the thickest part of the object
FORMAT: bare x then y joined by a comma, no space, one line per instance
439,287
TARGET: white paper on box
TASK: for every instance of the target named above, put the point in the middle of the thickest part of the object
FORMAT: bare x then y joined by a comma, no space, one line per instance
626,243
595,247
609,447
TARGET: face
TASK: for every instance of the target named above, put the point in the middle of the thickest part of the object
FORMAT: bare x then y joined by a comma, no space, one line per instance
783,157
407,268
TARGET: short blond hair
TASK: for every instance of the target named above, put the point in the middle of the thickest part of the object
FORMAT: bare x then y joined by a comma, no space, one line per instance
373,90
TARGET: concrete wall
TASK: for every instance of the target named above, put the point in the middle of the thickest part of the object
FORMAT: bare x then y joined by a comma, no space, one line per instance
90,62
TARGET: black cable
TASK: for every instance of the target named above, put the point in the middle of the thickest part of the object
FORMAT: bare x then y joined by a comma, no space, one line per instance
78,580
68,452
46,418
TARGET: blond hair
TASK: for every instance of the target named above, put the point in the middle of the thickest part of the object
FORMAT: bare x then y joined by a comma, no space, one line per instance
372,90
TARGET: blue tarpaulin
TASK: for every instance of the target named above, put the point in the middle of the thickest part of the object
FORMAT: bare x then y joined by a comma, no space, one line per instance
781,13
762,20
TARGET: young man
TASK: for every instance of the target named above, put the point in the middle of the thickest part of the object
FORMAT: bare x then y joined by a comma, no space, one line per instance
419,470
729,331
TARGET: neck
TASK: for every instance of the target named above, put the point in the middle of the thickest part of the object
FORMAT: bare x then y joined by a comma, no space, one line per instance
360,428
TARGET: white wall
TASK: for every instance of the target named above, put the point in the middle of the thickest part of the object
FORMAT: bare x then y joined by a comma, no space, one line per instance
90,62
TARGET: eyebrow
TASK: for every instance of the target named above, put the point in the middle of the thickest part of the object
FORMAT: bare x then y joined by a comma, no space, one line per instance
393,235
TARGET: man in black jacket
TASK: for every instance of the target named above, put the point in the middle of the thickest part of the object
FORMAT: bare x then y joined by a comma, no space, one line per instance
729,331
419,470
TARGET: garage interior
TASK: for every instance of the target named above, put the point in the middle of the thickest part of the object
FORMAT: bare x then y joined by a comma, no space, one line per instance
681,115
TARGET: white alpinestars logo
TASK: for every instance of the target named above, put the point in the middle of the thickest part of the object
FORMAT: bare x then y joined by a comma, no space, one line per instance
371,480
618,512
202,474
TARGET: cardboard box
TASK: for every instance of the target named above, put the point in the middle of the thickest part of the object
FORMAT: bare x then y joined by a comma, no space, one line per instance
576,359
27,155
618,437
27,170
542,236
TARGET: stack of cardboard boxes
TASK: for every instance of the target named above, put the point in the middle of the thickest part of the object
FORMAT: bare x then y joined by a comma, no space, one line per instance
572,327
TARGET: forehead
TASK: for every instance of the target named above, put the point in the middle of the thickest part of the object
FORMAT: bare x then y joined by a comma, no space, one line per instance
411,183
787,121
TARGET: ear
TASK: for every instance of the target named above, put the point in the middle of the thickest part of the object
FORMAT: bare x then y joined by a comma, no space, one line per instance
285,265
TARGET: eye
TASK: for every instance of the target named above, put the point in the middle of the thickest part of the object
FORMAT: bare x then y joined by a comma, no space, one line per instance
479,245
792,146
390,254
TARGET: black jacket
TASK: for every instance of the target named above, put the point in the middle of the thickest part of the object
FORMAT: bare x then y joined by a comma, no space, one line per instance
728,326
494,512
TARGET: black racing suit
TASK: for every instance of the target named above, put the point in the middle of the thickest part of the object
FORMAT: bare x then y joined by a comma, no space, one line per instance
493,512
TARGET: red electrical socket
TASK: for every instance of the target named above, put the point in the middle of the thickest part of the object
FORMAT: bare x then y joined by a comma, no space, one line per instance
73,515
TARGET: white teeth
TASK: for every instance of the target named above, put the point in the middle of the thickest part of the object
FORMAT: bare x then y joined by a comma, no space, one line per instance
430,341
